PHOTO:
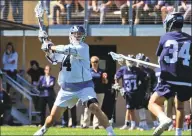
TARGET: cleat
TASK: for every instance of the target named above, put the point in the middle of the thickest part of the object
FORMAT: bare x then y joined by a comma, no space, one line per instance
124,127
162,127
40,132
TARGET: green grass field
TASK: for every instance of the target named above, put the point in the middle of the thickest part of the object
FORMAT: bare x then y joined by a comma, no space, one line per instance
29,130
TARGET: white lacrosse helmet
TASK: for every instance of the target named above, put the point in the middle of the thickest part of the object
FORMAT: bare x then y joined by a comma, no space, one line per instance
77,34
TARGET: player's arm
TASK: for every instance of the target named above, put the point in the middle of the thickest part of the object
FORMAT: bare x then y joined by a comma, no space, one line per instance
118,75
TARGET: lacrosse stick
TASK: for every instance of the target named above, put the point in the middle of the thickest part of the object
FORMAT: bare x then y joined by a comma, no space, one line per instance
39,10
121,57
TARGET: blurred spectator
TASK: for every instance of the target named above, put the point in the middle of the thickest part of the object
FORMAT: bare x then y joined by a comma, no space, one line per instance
122,5
99,79
17,10
137,7
89,8
34,73
152,9
10,60
65,118
5,104
62,6
4,8
186,8
101,6
168,6
47,95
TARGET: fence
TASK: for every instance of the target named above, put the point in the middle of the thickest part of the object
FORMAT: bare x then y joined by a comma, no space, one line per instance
80,11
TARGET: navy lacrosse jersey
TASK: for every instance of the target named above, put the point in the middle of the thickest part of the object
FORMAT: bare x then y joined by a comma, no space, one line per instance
151,78
132,78
175,57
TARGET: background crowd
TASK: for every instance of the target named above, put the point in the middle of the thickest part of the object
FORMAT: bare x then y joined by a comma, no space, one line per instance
106,11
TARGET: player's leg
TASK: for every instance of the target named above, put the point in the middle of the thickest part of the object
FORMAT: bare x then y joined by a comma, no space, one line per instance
127,120
64,99
55,115
168,109
179,104
179,116
88,96
141,105
100,97
131,106
155,106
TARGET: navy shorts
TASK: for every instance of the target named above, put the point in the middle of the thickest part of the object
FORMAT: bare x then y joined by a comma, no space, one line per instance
168,90
132,100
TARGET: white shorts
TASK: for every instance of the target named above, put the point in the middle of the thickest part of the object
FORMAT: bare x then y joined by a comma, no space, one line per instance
69,99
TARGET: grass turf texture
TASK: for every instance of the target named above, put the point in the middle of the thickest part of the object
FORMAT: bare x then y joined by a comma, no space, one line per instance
30,130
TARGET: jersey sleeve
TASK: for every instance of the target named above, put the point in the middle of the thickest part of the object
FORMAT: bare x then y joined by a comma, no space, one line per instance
119,73
160,47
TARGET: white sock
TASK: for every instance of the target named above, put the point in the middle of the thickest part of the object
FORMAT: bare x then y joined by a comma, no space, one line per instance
132,123
155,123
178,131
109,129
162,116
44,127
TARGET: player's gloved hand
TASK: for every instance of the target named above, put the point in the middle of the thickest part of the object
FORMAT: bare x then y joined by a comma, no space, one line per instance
42,36
116,86
122,92
46,46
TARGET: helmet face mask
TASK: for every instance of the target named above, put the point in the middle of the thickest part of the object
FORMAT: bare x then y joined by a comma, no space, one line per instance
77,34
173,21
130,63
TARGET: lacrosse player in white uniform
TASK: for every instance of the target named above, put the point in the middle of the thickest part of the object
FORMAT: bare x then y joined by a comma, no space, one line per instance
74,78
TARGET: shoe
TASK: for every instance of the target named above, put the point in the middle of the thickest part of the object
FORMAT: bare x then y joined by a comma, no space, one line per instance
132,128
97,127
171,127
40,132
85,127
162,126
73,126
124,127
111,134
64,126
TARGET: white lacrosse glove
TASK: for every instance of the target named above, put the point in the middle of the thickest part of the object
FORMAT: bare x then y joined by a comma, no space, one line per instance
42,36
116,86
46,46
122,92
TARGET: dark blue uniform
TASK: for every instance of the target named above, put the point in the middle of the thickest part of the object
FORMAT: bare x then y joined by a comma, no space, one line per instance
99,87
147,88
175,58
132,78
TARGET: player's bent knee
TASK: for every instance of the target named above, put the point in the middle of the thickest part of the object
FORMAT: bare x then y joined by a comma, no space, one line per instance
91,101
94,108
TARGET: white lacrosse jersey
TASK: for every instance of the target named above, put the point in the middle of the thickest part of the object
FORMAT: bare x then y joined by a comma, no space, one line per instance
80,63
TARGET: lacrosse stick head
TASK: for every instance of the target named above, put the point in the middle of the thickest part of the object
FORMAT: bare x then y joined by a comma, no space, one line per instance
117,57
39,10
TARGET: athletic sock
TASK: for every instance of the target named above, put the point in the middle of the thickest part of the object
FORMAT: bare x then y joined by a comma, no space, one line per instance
162,116
178,131
133,124
109,129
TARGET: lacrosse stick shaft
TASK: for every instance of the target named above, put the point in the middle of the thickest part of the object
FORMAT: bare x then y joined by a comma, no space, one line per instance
140,61
119,57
